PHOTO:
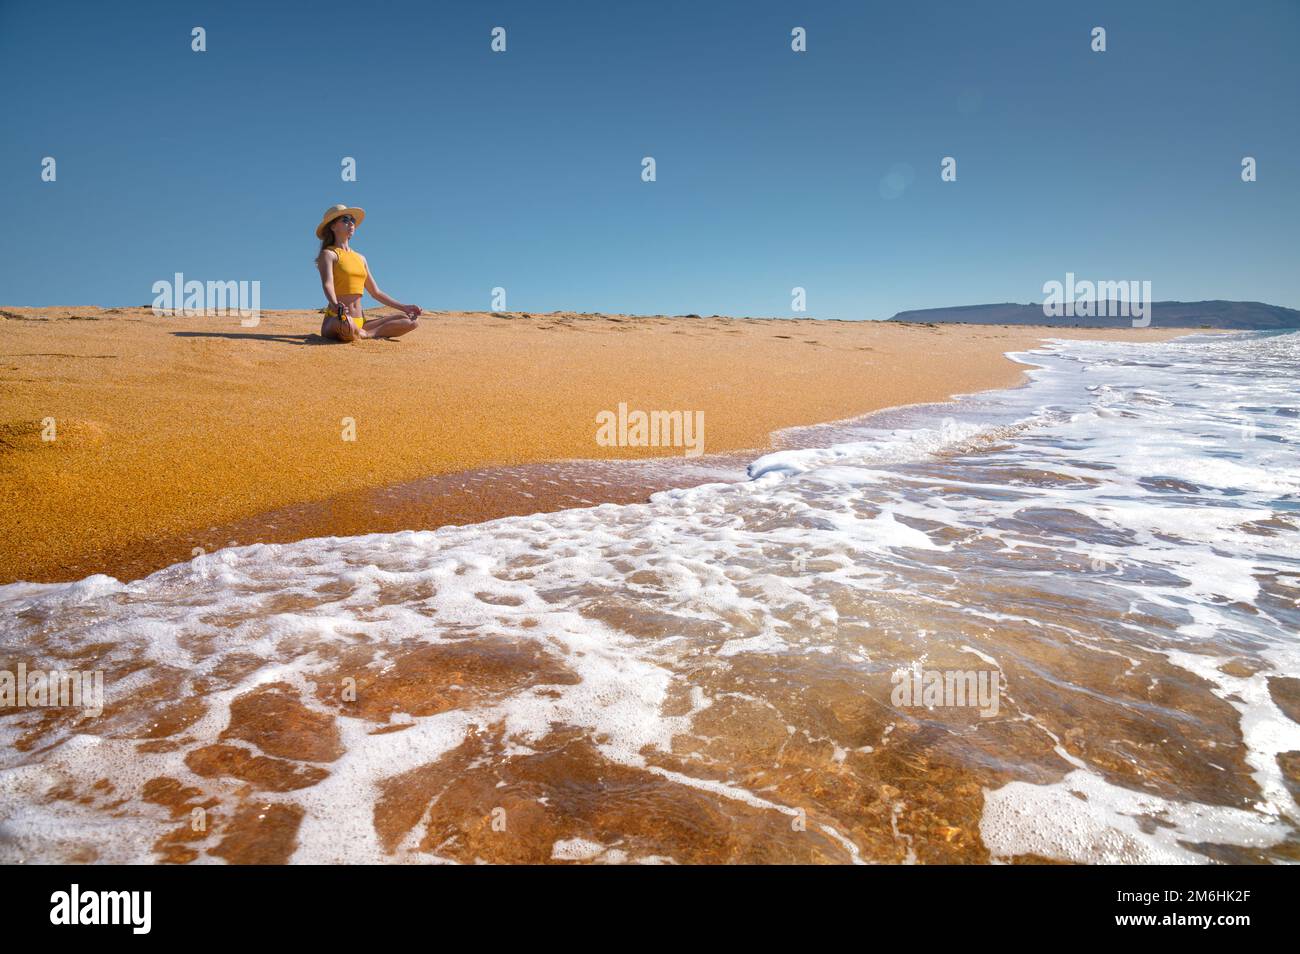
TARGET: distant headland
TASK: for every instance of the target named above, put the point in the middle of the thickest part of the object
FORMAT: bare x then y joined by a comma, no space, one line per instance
1244,315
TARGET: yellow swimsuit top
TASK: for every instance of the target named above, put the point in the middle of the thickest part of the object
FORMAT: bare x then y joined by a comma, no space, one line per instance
350,272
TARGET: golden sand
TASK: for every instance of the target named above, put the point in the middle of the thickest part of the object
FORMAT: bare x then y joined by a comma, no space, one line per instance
167,430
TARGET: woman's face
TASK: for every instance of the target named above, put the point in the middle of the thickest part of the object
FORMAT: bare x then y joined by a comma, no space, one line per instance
343,228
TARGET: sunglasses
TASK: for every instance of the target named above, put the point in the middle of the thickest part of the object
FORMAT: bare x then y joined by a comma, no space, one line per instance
347,220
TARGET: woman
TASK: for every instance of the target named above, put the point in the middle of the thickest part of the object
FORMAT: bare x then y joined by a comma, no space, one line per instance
345,277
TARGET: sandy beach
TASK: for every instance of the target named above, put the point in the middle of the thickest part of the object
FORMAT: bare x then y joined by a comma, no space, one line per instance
171,433
895,642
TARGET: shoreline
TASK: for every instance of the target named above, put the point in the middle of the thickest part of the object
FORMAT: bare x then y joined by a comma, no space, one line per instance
172,441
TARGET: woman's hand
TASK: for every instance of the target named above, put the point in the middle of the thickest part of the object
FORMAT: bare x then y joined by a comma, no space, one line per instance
412,311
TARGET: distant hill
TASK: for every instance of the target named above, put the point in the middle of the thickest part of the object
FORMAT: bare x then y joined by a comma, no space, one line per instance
1252,315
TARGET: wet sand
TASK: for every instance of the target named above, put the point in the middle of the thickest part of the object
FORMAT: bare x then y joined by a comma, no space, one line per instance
178,435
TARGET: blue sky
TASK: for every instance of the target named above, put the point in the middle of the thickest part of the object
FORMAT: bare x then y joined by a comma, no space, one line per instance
523,169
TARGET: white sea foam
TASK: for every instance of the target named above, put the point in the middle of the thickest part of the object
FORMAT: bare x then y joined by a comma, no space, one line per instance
1085,819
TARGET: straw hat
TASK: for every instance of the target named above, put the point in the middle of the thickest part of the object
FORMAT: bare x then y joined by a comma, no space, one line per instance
333,212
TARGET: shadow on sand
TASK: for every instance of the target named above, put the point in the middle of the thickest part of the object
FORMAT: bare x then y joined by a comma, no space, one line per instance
308,339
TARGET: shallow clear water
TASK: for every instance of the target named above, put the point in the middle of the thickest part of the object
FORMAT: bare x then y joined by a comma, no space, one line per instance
714,675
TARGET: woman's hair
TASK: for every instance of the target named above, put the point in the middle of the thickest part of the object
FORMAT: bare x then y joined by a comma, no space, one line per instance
327,242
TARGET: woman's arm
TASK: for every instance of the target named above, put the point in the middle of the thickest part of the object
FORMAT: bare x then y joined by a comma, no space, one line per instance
326,269
379,296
